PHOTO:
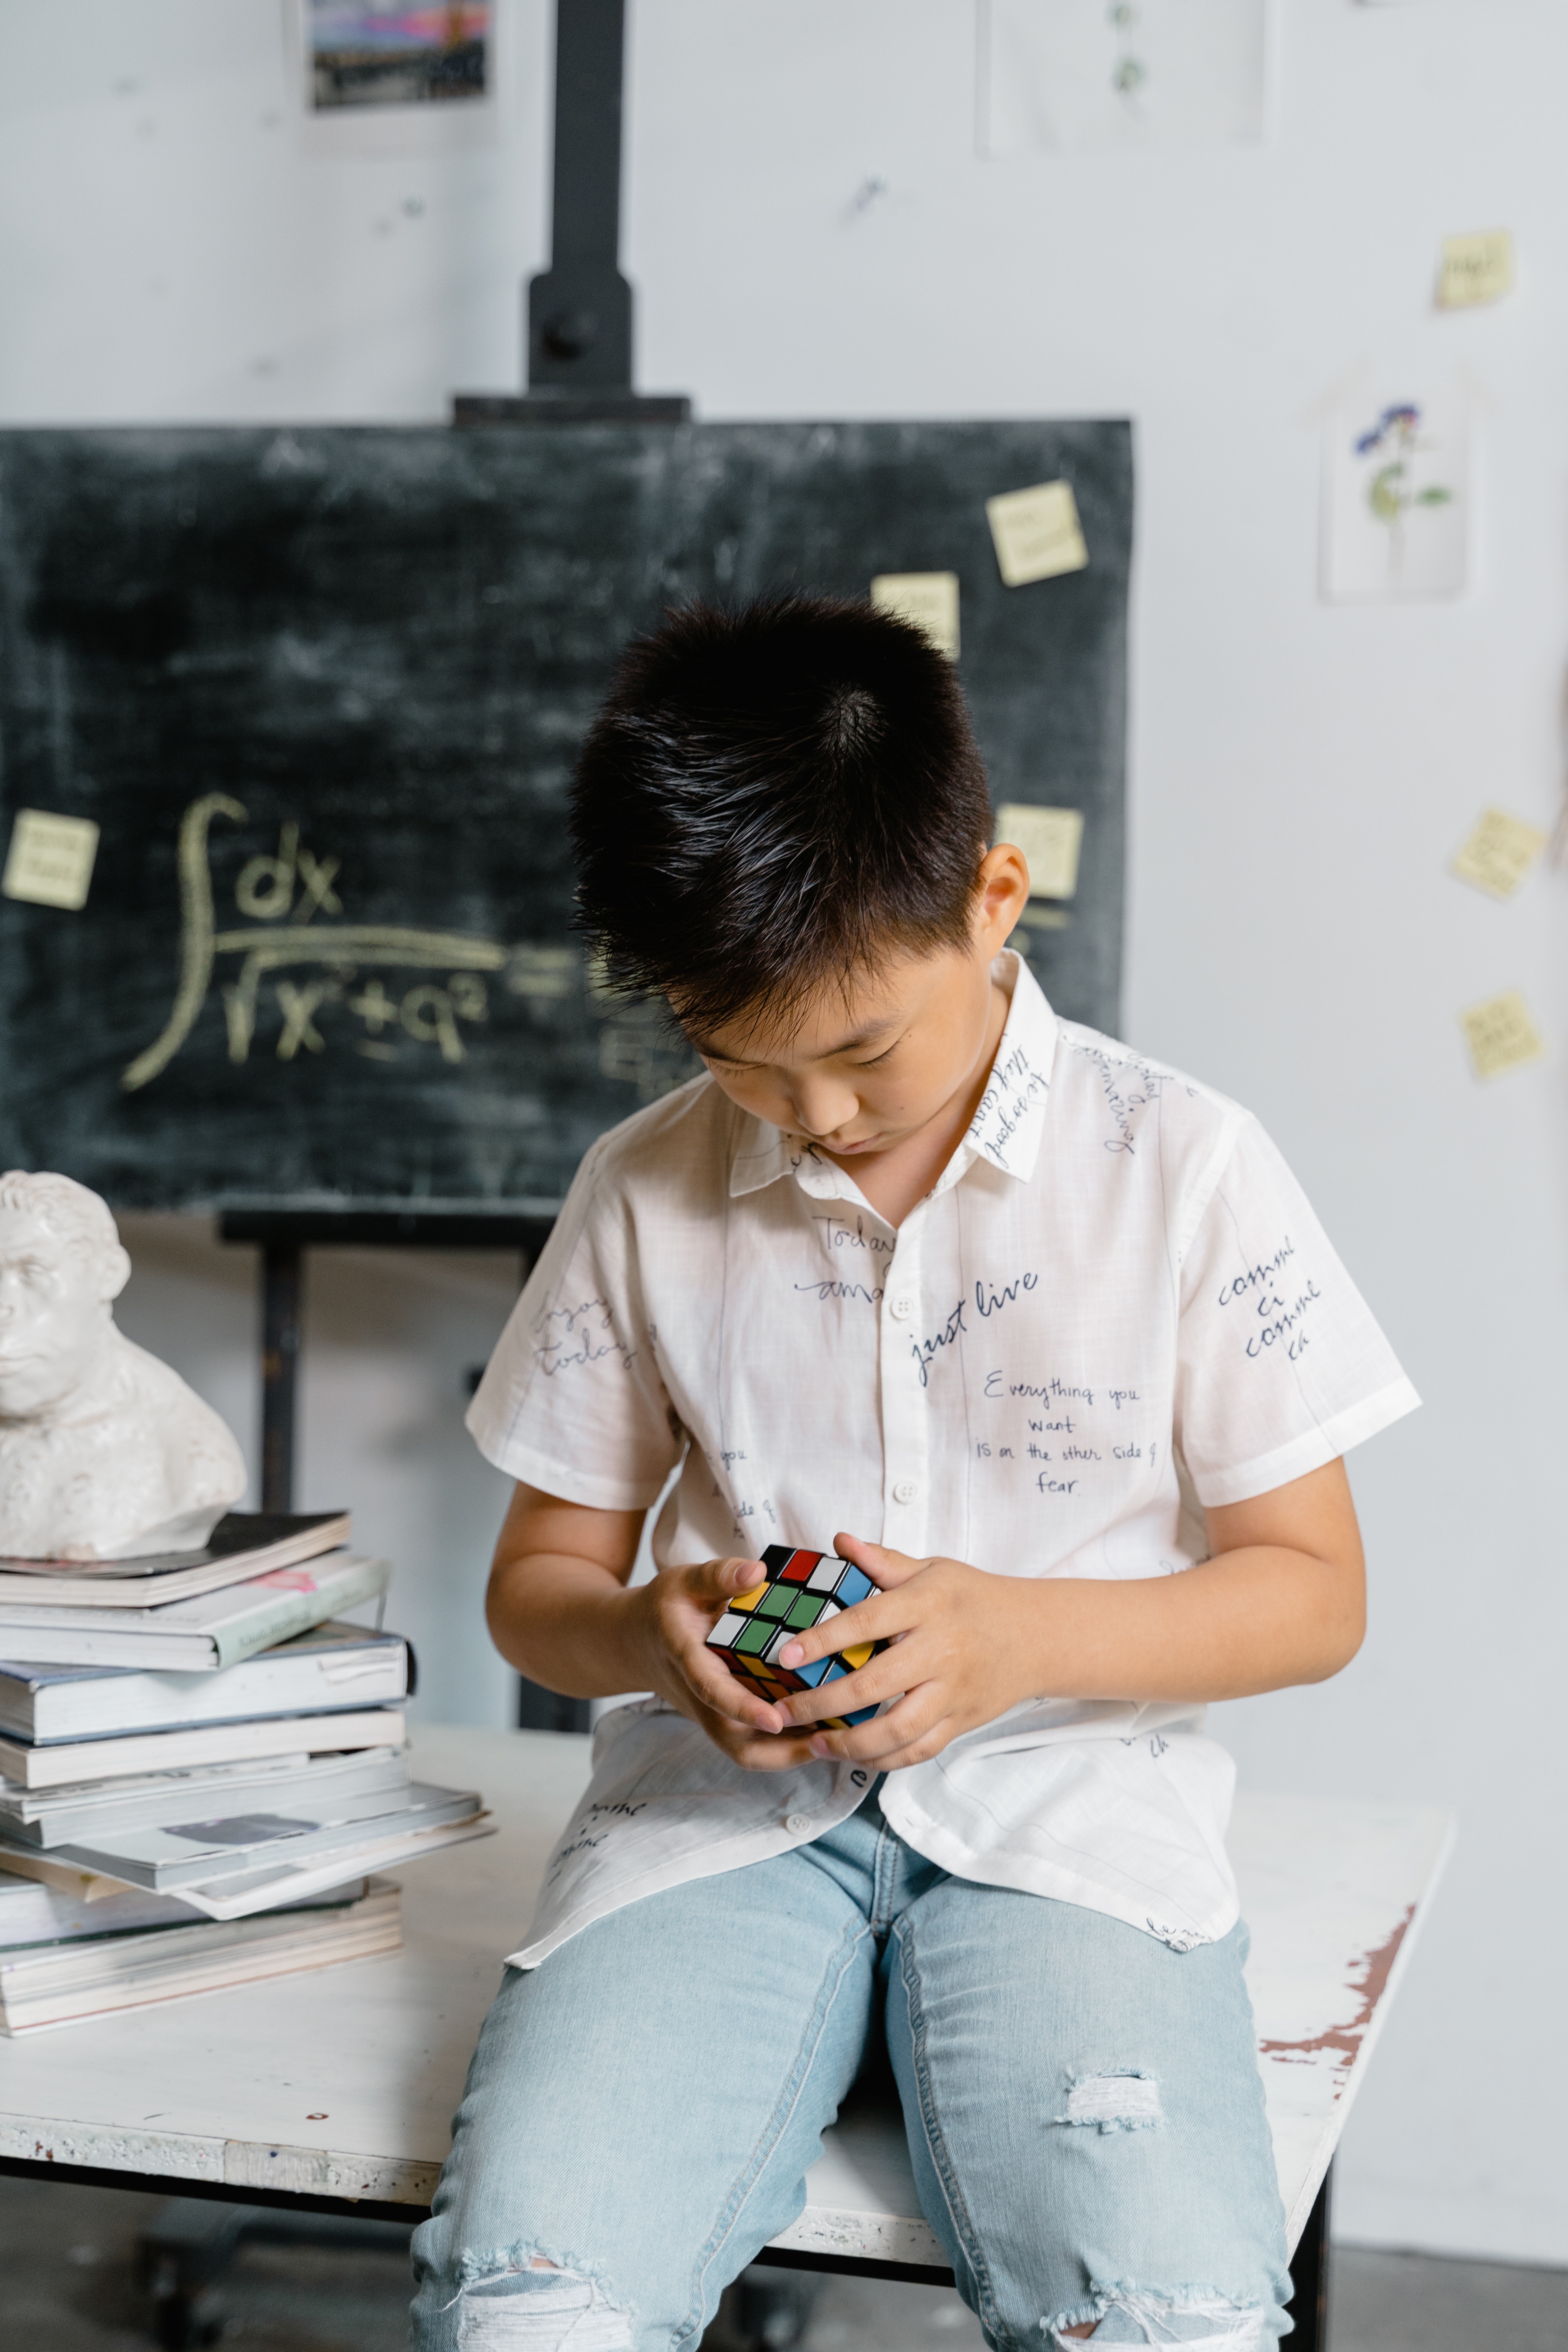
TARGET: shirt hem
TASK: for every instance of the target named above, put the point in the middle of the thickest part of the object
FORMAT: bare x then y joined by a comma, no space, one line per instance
1310,1451
757,1845
1031,1875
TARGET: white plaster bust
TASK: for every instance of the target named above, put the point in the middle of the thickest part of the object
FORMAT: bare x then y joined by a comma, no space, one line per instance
105,1453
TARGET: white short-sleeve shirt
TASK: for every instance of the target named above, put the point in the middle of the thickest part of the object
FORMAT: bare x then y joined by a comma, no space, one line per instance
1114,1308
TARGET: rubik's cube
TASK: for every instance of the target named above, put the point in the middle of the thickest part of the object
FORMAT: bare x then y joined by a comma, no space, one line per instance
803,1589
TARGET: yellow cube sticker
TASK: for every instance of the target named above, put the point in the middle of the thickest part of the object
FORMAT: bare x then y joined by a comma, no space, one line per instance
1036,533
1501,1034
929,599
50,860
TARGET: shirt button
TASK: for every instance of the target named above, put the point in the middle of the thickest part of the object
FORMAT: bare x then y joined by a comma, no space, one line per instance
797,1824
900,1309
905,1491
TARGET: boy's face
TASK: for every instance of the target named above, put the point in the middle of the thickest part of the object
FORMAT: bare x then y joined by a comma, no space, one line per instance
862,1069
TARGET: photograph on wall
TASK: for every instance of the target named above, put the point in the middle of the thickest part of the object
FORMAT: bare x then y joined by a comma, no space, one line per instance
1084,74
358,56
1396,499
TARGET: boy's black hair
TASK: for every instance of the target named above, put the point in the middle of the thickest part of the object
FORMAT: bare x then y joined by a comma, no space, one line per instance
772,797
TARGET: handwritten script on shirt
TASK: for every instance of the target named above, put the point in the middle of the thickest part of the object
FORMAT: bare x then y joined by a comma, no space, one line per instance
1265,1288
567,1336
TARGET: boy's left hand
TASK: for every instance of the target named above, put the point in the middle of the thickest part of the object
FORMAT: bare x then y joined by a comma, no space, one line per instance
965,1651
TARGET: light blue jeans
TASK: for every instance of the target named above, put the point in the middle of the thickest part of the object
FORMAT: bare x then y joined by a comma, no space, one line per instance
1083,2106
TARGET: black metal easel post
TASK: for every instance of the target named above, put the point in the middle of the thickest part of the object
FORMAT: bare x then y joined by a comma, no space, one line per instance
579,309
283,1235
282,1276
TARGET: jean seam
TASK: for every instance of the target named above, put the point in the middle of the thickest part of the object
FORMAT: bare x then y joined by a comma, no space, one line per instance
936,2145
811,2041
884,1864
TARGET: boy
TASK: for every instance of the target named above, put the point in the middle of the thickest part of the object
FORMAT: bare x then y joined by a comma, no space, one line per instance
1042,1336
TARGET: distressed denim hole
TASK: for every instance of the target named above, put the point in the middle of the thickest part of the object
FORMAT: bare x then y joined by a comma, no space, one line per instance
1195,2322
1113,2103
539,2309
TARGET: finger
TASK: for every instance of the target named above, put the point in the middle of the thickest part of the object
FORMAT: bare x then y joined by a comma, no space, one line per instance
776,1755
756,1752
721,1579
878,1620
886,1677
714,1685
915,1752
903,1728
885,1568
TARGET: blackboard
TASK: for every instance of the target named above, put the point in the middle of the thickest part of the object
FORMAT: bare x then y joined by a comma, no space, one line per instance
321,691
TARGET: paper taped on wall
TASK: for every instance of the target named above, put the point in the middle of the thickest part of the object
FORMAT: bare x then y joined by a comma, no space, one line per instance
1067,73
1397,500
50,859
1497,853
1475,269
1050,839
1036,533
1501,1034
929,599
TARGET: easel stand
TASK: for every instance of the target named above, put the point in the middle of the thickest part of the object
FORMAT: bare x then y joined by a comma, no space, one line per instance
579,309
283,1236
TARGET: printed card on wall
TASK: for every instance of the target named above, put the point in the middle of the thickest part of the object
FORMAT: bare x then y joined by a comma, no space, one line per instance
1397,500
1083,74
359,55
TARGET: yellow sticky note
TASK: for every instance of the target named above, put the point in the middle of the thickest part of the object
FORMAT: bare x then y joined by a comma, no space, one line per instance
1501,1034
1050,839
1475,269
929,599
1036,533
49,862
1499,853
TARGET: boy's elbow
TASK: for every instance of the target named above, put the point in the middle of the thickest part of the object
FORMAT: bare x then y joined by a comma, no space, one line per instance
1345,1625
506,1615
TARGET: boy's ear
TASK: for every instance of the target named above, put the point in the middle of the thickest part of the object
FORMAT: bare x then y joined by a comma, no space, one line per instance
1001,895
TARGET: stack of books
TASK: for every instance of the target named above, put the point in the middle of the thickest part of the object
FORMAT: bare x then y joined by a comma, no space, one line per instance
202,1770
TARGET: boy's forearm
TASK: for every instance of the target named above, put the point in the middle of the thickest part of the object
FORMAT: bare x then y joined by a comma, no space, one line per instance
568,1625
1259,1618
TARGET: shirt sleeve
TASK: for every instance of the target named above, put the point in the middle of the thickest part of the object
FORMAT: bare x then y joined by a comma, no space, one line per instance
1281,1366
572,1401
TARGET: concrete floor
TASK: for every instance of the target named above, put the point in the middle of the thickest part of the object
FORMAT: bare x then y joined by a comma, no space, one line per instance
68,2267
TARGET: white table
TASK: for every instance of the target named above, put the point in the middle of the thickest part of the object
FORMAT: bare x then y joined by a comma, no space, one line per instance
341,2084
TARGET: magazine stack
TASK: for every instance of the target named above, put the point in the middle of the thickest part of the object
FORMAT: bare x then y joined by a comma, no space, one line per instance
202,1770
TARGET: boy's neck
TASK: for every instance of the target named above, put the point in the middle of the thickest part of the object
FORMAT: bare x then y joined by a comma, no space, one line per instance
892,1181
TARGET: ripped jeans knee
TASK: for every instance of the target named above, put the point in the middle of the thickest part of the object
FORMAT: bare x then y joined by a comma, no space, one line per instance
538,2307
1197,2319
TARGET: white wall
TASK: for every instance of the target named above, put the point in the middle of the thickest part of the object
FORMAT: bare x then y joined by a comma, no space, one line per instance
170,251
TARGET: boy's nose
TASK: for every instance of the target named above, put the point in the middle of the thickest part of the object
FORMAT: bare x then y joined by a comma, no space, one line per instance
823,1110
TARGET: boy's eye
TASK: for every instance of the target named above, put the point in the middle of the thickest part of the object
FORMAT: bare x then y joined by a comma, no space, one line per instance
878,1059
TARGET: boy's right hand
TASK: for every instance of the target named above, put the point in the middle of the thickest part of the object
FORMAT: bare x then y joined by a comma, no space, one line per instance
679,1609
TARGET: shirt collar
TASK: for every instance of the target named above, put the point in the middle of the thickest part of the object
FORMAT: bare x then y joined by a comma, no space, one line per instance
1010,1117
1006,1131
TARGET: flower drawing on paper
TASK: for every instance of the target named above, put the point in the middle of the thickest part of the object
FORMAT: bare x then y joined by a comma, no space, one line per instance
1128,74
1392,492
